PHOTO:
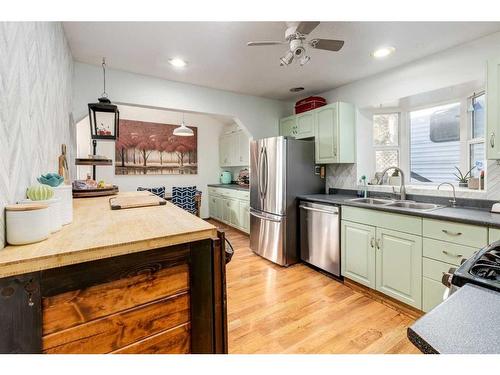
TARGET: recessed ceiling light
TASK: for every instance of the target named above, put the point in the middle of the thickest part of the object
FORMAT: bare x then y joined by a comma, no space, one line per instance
177,62
296,89
383,52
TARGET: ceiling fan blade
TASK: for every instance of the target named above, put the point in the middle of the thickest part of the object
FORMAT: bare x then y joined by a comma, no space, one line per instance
268,43
327,44
305,27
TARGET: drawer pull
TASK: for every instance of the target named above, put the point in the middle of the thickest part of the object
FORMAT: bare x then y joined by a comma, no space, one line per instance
451,233
451,254
372,242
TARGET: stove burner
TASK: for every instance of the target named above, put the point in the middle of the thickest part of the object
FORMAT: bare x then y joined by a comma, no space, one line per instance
487,266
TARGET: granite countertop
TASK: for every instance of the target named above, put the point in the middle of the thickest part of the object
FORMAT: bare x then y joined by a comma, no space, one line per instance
230,186
466,323
476,216
98,232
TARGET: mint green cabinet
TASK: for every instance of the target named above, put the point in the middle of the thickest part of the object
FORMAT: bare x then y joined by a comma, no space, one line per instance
399,266
335,134
358,253
305,125
245,216
494,235
234,150
232,207
326,141
288,126
334,130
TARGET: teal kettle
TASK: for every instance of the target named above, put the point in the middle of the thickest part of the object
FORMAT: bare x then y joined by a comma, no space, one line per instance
225,177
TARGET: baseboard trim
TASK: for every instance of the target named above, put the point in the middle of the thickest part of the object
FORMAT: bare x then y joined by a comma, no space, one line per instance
399,306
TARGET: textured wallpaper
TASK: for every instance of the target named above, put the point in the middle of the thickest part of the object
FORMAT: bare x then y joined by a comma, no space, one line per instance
36,70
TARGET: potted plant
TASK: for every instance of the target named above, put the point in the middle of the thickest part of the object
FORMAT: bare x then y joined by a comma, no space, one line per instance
463,180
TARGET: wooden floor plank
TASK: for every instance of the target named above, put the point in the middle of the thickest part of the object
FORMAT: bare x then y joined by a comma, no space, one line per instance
272,309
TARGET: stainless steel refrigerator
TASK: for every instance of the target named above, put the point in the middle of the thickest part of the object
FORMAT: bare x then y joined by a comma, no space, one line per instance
280,169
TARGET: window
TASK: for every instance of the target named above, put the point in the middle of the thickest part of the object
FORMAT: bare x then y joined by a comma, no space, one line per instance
386,140
476,143
435,143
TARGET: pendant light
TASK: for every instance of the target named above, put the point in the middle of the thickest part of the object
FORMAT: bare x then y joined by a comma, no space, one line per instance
104,116
183,130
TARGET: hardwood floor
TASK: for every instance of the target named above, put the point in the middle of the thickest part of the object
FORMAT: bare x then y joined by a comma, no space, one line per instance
272,309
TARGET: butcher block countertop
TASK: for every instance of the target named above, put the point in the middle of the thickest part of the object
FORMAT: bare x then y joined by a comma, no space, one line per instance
98,232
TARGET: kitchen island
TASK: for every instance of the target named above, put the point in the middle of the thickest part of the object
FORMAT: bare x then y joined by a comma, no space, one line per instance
141,280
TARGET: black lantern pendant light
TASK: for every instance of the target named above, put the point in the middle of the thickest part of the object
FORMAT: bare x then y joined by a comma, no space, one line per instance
104,116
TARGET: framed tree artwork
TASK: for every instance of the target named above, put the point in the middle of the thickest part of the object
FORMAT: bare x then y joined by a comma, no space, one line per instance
152,148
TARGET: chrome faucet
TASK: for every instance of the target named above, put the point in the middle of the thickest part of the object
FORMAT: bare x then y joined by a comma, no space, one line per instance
402,188
454,200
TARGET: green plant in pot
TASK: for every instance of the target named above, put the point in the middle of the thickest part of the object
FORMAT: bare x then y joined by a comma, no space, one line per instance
463,179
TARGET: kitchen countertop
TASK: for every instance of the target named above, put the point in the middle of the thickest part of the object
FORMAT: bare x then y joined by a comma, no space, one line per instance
230,186
98,232
458,214
466,323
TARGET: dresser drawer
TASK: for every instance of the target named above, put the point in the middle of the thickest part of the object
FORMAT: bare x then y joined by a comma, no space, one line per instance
447,252
434,269
463,234
432,293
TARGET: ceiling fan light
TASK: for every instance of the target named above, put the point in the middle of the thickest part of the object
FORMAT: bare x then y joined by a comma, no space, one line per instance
304,60
287,59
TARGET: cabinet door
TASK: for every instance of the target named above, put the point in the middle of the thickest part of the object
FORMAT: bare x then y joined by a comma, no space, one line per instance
305,125
399,266
288,126
243,149
494,235
212,206
224,151
358,253
219,210
234,212
493,109
326,134
245,216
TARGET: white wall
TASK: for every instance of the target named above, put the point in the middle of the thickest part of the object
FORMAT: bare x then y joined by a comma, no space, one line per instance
463,63
36,70
259,116
209,130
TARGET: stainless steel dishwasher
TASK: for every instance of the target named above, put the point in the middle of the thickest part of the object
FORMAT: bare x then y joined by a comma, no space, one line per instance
320,236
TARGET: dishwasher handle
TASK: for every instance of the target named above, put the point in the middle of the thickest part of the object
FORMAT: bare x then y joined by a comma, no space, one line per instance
319,210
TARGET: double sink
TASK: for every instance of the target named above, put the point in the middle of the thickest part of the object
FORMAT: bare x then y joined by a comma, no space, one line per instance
389,203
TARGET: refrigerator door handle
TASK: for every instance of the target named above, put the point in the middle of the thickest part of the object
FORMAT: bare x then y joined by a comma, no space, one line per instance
262,217
266,173
259,172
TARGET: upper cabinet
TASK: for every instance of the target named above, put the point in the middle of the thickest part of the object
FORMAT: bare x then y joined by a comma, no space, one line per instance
234,150
288,126
305,125
492,109
333,128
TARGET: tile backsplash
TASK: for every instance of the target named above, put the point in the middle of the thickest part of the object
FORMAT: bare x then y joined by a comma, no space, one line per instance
36,70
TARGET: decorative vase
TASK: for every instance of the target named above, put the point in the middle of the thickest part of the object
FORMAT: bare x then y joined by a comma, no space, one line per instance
39,192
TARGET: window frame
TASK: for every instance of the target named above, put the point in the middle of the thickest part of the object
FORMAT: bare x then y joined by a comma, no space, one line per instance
397,148
470,130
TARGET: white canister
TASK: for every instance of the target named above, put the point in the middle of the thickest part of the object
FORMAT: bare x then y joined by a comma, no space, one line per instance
65,193
54,205
27,223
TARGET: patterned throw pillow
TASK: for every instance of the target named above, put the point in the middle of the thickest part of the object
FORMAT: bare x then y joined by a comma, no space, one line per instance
184,197
159,191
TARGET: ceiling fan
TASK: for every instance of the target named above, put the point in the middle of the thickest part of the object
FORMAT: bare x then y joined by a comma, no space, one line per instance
295,37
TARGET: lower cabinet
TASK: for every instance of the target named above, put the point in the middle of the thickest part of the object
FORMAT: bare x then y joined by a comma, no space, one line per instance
385,260
232,207
358,253
399,266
